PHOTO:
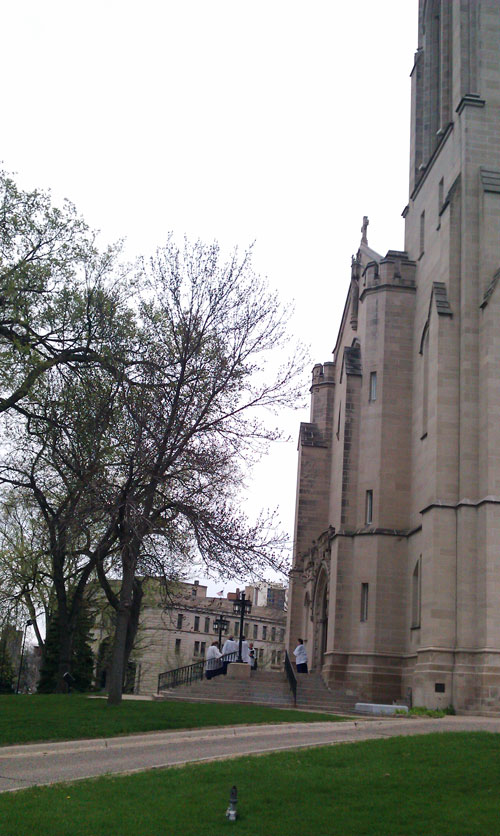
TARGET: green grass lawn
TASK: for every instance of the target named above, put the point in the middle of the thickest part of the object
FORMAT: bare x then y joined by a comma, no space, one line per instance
26,719
433,785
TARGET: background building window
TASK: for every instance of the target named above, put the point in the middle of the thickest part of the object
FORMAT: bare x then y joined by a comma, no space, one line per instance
373,386
278,657
255,629
197,623
369,507
364,602
207,625
273,634
179,621
177,645
236,628
261,654
282,635
264,632
273,657
202,648
196,649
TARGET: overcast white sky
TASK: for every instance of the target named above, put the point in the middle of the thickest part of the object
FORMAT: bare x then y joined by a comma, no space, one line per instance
277,121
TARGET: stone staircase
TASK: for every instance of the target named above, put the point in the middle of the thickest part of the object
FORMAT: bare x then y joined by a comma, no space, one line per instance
313,695
264,688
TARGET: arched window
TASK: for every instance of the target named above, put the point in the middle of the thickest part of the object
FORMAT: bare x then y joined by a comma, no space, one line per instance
424,351
415,595
436,80
433,51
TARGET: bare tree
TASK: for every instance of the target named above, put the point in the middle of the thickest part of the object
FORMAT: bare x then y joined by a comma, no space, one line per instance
193,405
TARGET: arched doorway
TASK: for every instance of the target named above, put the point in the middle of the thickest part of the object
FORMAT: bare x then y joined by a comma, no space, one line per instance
324,625
320,619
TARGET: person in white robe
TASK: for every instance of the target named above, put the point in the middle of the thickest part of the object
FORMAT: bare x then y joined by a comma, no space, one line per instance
213,666
245,651
300,654
229,652
230,647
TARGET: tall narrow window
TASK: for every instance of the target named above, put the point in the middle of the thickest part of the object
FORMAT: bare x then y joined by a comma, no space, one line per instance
196,649
273,634
338,420
255,628
264,632
369,507
179,621
236,628
364,602
197,623
415,595
177,645
440,195
422,233
202,648
373,386
207,625
425,382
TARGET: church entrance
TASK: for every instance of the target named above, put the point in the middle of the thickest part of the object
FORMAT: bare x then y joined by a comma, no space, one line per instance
323,625
320,620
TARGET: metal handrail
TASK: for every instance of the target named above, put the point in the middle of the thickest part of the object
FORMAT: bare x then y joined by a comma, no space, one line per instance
292,679
188,674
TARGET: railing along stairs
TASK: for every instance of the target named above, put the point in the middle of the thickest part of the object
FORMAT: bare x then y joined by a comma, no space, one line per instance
290,675
188,674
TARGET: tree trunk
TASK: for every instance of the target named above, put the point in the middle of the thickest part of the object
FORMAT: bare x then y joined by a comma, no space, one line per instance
65,648
123,614
133,625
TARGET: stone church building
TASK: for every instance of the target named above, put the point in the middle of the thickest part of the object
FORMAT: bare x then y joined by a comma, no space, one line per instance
395,582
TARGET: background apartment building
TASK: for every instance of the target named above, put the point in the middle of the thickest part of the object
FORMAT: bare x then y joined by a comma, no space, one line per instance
176,630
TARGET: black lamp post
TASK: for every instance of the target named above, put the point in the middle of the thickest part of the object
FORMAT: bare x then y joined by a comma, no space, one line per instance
241,607
221,624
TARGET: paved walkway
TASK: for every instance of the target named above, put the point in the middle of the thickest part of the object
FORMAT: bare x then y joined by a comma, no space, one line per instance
45,763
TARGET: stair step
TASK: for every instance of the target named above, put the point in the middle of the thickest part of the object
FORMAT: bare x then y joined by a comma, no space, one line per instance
265,688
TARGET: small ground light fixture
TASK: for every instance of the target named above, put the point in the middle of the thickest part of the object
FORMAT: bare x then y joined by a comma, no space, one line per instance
231,813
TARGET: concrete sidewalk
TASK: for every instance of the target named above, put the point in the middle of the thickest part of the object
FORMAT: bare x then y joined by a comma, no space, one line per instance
46,763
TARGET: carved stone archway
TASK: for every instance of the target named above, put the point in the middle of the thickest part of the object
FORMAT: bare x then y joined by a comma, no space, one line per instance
320,616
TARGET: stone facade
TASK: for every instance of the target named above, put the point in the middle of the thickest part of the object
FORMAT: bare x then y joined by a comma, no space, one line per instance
177,629
395,585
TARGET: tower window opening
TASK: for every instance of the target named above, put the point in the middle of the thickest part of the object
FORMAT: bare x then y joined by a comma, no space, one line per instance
364,602
369,507
415,596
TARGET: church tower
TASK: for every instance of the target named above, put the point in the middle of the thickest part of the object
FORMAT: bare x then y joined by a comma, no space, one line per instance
395,584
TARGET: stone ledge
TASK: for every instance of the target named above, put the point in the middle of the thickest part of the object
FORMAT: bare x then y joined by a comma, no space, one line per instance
376,708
